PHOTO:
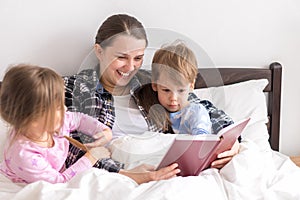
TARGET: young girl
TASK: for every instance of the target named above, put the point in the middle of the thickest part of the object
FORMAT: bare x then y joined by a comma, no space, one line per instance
174,70
32,102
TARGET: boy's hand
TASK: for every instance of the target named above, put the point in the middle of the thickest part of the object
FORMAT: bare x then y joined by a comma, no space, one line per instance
226,156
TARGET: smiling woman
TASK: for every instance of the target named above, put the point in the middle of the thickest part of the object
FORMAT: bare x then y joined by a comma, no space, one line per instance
109,92
120,44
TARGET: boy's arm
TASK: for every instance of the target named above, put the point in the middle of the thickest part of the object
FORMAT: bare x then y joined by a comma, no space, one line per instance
199,120
219,118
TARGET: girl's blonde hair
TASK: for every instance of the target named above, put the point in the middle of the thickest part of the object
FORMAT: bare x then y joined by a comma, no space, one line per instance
28,93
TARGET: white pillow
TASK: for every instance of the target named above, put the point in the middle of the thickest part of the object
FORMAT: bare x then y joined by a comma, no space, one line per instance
243,100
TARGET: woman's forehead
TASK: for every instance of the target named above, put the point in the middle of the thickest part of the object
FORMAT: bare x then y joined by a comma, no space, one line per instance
127,44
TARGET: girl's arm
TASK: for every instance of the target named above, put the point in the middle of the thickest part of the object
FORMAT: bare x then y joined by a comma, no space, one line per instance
89,126
31,163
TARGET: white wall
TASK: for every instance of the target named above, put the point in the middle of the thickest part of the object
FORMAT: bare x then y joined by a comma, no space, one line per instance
60,34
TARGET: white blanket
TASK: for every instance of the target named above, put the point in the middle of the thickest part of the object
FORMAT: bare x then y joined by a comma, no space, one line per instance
256,173
252,174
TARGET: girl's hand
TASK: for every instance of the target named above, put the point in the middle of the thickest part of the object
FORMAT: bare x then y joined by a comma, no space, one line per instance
226,156
99,152
101,139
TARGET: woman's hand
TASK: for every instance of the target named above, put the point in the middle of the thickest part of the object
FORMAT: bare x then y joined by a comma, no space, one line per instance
145,173
226,156
101,139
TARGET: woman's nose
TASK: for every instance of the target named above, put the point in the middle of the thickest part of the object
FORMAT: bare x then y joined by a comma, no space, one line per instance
130,65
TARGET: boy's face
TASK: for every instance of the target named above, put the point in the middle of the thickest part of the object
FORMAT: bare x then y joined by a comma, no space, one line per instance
171,94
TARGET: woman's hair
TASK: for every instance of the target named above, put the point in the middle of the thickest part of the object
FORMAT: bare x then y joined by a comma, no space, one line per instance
119,24
29,92
175,61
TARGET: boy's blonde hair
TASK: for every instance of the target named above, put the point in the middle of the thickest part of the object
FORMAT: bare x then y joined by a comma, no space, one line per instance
29,92
177,61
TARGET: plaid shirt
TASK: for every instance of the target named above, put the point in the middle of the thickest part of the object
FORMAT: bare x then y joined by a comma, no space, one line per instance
84,93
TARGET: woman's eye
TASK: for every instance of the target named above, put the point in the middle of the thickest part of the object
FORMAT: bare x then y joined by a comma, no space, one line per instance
138,58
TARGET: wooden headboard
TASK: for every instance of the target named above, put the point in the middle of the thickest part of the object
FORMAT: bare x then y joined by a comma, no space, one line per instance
226,76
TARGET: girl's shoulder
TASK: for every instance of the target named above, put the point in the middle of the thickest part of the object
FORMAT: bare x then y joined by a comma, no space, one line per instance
22,147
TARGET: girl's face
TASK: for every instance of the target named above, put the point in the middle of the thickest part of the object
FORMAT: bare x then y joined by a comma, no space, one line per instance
120,61
172,95
58,118
39,124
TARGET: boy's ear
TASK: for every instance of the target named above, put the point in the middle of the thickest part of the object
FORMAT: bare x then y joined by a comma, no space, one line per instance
154,87
192,86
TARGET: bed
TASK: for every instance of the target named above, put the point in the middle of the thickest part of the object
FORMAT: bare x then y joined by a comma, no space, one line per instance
259,171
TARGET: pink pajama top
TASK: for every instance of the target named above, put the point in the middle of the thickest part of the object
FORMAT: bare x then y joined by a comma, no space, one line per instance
25,161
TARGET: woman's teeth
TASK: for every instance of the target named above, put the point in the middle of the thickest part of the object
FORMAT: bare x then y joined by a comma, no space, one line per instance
124,74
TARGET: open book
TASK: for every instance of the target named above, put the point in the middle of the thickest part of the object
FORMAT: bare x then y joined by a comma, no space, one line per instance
194,153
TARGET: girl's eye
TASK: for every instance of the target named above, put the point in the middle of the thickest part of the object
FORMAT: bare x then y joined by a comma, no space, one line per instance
181,90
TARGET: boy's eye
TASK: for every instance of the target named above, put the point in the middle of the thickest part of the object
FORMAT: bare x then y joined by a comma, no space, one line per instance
166,90
181,90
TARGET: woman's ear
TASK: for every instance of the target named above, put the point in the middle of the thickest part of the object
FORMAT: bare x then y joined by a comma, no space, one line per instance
98,50
154,87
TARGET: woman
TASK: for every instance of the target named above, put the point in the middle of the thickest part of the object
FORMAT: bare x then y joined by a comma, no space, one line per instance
108,92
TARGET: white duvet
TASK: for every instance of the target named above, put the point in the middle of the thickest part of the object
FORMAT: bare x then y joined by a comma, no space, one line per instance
256,173
252,174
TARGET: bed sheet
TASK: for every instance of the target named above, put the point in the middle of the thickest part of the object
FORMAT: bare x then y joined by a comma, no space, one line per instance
252,174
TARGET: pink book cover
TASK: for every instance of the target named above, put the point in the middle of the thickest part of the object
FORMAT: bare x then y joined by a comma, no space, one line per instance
195,153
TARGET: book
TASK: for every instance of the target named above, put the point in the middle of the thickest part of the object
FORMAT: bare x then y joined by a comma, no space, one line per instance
195,153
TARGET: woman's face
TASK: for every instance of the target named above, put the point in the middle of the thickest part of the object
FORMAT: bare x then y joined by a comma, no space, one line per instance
120,61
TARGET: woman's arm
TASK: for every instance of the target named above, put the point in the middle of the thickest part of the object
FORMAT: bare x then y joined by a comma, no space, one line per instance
79,91
70,99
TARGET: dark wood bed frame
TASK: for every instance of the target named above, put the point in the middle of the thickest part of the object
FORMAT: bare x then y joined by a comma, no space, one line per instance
209,77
